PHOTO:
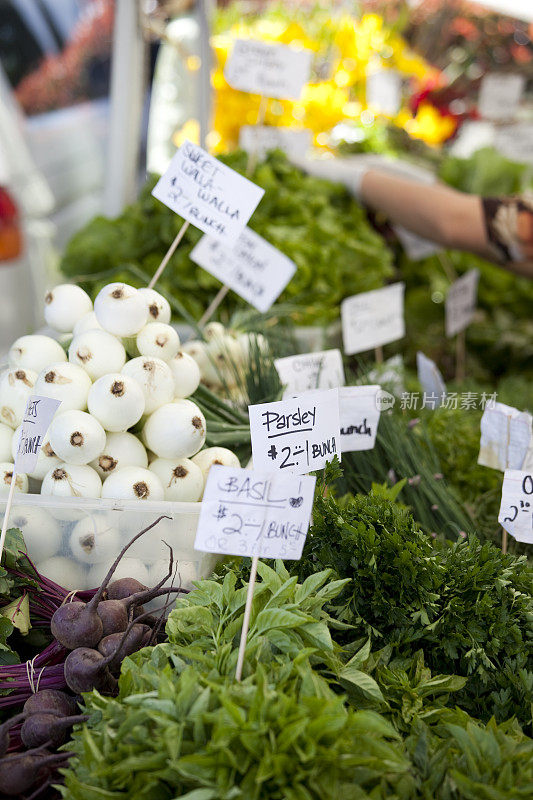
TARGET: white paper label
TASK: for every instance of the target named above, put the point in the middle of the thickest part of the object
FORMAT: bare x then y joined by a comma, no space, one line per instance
359,413
249,513
260,139
303,373
371,319
384,91
516,509
37,418
272,70
253,268
515,142
207,193
297,435
461,302
500,95
391,373
431,381
415,246
505,437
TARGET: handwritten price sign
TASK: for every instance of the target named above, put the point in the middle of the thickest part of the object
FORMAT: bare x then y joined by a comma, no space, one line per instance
273,70
516,510
296,435
37,418
249,513
303,373
461,302
207,193
251,267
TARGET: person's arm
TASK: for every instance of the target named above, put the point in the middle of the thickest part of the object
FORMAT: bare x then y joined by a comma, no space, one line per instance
436,212
455,220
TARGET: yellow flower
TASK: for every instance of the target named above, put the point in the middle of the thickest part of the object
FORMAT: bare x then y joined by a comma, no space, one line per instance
430,125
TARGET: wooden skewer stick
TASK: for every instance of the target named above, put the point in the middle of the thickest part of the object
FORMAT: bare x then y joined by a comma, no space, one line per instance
168,255
246,620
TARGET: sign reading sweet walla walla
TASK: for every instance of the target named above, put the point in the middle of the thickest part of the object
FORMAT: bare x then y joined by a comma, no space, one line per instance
207,193
252,267
271,70
249,513
298,435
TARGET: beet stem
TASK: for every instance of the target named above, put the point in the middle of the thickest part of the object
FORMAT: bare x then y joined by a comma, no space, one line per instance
93,603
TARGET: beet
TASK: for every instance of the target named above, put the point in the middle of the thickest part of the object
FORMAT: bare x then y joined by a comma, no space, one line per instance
50,700
4,732
124,587
133,641
20,771
48,729
87,669
114,616
78,624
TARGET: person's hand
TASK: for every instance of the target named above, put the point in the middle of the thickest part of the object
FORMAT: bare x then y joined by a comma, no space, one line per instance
350,170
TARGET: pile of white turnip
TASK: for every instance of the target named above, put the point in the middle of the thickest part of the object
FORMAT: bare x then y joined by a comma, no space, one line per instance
125,429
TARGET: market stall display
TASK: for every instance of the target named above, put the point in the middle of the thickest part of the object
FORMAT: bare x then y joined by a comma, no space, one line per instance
276,541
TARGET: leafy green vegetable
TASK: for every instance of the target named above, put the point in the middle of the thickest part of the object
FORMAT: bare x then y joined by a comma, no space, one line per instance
14,603
314,222
467,605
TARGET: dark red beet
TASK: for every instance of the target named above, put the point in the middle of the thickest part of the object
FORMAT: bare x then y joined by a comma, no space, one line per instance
124,587
87,669
50,700
4,732
20,771
77,624
114,616
133,641
40,729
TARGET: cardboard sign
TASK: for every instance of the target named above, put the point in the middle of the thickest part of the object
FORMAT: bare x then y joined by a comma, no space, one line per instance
207,193
500,95
260,139
372,319
461,302
37,418
431,381
515,141
516,509
297,435
505,437
250,513
415,246
302,373
360,410
384,91
272,70
253,268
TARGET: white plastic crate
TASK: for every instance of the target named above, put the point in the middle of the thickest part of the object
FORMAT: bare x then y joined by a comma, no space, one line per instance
60,535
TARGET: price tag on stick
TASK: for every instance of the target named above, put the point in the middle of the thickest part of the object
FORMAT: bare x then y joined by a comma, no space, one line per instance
372,319
254,269
461,302
207,193
505,437
303,373
296,435
360,410
271,70
259,139
250,513
500,95
516,509
35,422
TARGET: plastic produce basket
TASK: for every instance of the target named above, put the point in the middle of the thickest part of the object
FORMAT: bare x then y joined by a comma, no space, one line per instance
74,541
